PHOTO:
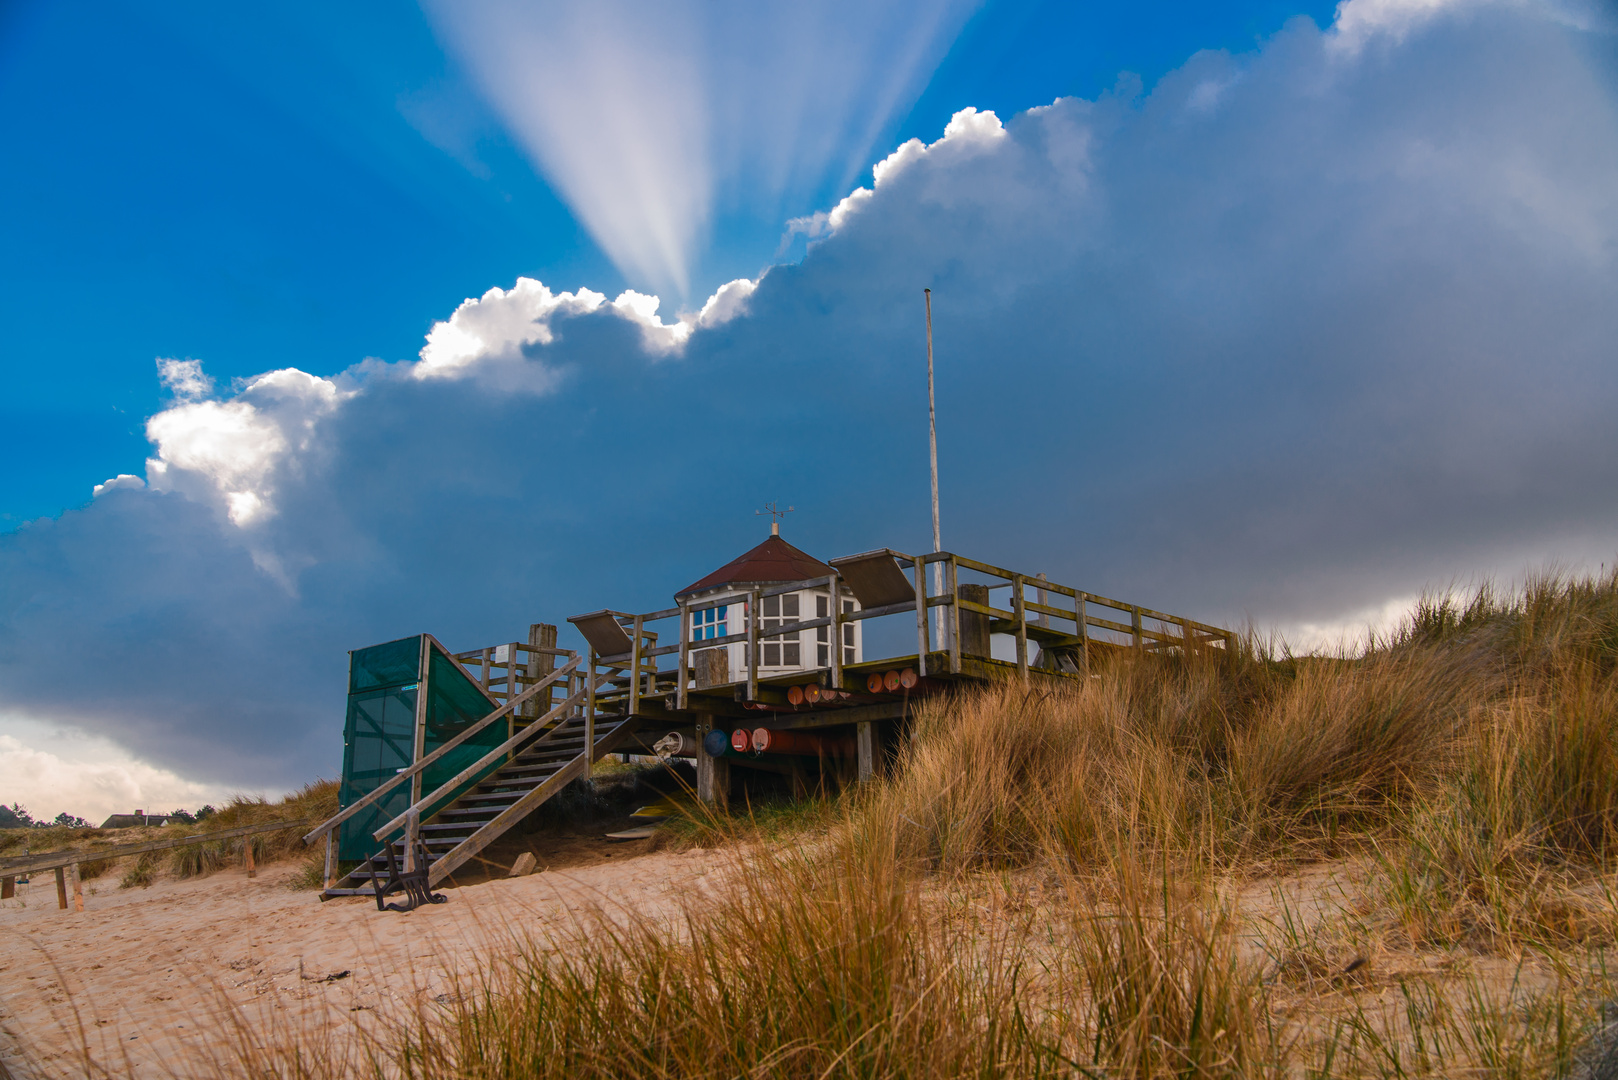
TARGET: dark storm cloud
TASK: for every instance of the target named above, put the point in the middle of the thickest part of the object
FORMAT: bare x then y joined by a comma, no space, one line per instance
1297,332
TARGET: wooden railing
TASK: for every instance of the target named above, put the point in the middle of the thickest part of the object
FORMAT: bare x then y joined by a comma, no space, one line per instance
1034,602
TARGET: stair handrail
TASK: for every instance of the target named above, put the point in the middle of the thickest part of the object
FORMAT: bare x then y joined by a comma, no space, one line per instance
402,775
536,728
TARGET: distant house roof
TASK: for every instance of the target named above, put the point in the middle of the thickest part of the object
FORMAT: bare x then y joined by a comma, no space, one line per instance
133,821
771,563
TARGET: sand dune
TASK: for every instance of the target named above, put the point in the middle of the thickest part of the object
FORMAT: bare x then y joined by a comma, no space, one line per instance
148,974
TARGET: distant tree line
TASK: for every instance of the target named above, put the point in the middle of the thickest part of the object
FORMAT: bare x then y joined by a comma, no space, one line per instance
16,816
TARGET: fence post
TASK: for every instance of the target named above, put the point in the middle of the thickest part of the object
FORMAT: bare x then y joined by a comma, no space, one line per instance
331,859
61,888
836,633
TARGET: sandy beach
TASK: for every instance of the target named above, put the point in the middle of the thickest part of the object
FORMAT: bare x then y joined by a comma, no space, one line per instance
150,974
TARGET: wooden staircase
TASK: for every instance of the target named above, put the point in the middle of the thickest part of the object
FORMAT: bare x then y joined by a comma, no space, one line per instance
459,832
509,782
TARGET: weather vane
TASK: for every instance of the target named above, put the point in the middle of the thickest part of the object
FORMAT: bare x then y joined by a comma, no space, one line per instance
775,512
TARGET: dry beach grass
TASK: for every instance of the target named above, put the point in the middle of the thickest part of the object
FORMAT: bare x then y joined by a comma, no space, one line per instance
1395,863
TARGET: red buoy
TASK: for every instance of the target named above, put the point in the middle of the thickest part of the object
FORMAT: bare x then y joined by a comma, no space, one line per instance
741,740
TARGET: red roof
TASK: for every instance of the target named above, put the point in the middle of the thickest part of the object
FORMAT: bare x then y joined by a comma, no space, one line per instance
773,562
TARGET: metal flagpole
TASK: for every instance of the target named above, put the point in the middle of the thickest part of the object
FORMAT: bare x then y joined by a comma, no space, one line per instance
932,445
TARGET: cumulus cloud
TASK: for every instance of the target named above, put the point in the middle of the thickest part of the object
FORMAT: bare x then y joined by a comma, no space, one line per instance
646,117
1291,350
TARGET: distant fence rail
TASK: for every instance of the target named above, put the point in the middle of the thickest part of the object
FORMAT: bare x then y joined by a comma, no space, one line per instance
52,860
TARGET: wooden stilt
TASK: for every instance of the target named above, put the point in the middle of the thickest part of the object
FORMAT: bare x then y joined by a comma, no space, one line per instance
865,747
713,774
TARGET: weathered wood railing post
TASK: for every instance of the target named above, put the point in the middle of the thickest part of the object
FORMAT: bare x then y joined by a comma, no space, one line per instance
8,887
836,633
634,669
1140,639
1084,634
1019,607
331,859
685,655
954,616
753,601
61,888
923,633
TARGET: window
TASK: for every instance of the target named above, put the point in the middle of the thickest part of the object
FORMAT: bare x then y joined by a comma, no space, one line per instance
780,650
706,625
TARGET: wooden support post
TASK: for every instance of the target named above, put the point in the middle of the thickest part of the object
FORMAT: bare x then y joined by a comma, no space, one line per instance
540,665
1084,635
1190,638
865,747
973,639
954,617
590,688
8,887
685,656
634,668
423,693
78,888
1140,639
331,858
713,774
1042,598
511,680
1019,607
836,634
247,856
923,635
753,600
61,888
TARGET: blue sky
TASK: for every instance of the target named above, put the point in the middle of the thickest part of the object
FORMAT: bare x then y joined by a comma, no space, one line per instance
1280,312
250,185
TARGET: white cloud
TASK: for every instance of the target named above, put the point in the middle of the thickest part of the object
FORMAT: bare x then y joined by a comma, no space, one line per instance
123,481
49,769
970,131
184,378
230,451
645,116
